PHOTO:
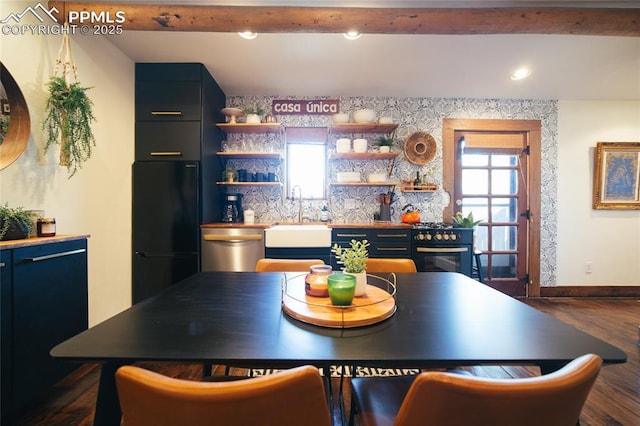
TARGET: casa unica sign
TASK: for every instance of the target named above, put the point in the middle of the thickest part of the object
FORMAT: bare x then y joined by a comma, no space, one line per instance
298,107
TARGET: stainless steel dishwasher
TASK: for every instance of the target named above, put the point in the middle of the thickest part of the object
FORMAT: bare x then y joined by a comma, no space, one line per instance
231,249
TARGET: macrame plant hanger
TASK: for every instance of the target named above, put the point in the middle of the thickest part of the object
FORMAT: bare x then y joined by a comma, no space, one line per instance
69,70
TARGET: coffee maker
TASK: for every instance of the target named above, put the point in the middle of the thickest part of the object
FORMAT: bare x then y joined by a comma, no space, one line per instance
232,208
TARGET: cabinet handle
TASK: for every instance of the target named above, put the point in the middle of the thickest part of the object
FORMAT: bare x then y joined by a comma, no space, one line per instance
166,112
55,255
392,235
351,235
232,238
2,264
165,153
392,249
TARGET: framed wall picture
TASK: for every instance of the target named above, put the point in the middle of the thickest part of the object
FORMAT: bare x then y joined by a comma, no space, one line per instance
616,175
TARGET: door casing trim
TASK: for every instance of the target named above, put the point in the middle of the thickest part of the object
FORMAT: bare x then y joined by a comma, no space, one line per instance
533,129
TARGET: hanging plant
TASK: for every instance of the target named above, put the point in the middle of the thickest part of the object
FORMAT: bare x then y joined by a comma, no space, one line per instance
68,115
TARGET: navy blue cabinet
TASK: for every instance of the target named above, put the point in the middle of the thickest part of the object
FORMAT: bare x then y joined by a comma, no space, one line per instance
44,289
383,242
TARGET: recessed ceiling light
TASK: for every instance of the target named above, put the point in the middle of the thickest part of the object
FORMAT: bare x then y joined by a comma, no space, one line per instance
520,74
248,35
352,35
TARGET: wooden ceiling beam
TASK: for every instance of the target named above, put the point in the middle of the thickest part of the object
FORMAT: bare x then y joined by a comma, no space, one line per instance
262,19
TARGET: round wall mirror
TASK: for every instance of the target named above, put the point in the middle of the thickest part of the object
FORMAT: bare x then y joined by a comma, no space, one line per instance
15,111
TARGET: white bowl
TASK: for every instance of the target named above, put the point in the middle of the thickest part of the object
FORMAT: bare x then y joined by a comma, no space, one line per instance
385,120
344,177
377,177
364,116
341,118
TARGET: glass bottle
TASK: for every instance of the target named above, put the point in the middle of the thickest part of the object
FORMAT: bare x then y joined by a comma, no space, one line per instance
416,181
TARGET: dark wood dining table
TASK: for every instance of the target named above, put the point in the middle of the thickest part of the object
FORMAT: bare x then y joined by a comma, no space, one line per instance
442,320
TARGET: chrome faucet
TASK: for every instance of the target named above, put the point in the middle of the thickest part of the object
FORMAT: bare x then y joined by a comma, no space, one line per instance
293,197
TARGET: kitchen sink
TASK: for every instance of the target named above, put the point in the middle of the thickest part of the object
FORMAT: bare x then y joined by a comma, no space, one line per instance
297,235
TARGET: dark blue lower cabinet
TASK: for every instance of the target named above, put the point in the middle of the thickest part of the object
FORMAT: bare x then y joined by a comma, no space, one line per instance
49,304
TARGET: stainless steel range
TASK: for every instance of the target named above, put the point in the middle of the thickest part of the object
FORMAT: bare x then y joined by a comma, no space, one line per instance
439,246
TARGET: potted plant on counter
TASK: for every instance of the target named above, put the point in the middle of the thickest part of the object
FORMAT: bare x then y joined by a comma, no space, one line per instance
15,223
465,222
384,143
254,114
354,259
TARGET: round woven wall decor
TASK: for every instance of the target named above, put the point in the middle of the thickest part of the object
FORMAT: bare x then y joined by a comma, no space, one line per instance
420,148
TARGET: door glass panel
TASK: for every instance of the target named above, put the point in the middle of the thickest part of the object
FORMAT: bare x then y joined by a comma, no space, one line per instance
504,210
475,160
504,182
504,238
503,266
498,160
478,205
475,181
481,238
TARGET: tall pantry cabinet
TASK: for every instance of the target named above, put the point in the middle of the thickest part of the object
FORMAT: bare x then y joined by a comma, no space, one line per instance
174,173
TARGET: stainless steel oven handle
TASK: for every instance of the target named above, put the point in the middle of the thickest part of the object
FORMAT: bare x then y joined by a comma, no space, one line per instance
232,238
442,249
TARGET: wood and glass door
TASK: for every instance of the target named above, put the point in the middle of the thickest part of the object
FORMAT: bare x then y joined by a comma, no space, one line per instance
490,176
489,181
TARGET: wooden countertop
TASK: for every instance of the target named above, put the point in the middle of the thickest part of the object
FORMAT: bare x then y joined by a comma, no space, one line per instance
265,225
34,241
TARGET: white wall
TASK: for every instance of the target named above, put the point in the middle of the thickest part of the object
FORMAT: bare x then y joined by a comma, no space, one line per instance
609,239
97,200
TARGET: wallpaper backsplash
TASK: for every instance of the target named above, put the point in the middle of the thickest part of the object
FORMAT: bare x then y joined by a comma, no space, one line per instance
412,114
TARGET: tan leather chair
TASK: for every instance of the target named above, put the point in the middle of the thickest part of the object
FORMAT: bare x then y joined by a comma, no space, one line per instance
286,265
440,398
290,397
390,265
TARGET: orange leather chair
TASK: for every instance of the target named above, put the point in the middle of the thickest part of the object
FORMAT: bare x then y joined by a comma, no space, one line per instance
444,399
287,398
390,265
286,265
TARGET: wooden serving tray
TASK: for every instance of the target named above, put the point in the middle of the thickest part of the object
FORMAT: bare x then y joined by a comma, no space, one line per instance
375,306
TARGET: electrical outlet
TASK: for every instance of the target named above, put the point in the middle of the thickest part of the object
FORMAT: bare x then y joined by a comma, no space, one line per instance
349,203
587,267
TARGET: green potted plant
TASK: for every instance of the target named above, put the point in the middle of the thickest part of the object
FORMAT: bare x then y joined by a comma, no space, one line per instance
384,143
67,122
15,223
465,222
254,114
354,259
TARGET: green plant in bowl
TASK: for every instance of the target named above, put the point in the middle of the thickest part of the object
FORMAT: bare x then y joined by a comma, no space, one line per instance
15,223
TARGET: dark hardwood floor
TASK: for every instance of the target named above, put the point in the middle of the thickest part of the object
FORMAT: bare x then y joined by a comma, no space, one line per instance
614,400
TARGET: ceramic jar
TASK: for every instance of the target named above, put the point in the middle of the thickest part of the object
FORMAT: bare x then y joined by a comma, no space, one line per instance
343,145
359,145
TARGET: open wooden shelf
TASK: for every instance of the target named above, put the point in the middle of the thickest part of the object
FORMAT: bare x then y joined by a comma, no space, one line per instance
389,183
250,183
250,128
362,128
363,155
257,155
430,187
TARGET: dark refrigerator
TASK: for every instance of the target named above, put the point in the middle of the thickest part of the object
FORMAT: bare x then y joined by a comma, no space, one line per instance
175,171
165,224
